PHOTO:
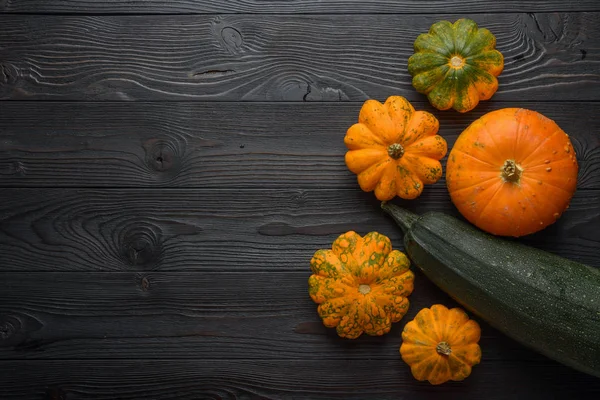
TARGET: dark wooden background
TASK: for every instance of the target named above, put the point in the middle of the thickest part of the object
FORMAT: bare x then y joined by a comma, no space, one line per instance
168,168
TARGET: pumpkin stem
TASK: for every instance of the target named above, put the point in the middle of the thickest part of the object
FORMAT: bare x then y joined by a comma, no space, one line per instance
457,62
404,218
511,171
364,289
443,348
395,150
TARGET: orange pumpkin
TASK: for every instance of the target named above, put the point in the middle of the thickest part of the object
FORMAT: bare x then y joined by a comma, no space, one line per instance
512,172
441,345
393,149
361,284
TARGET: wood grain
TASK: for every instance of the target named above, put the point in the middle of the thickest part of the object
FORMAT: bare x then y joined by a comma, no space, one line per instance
202,316
226,145
286,379
207,315
289,6
278,58
218,230
158,214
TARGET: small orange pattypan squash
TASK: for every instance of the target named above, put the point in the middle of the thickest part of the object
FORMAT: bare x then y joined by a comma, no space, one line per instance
361,284
456,65
394,149
441,345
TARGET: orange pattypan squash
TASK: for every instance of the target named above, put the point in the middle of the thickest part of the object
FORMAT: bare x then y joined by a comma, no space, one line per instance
512,172
441,344
361,284
393,149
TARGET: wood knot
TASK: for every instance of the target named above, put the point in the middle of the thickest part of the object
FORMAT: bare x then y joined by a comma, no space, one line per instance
161,155
145,283
17,330
7,328
232,38
142,246
9,74
229,37
299,197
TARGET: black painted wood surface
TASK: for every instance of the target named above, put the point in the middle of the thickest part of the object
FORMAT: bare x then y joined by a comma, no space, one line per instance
290,6
168,168
245,57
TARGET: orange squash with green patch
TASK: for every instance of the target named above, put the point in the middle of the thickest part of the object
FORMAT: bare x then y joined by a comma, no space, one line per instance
360,284
394,150
456,65
512,172
441,345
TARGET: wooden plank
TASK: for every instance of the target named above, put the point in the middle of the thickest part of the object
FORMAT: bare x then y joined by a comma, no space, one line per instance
202,316
225,145
207,315
289,6
286,379
223,230
263,57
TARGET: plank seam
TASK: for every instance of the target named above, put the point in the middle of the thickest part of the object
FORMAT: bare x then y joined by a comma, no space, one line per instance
148,14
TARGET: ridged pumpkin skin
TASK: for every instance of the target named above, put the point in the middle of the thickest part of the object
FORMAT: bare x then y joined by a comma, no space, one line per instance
456,65
394,150
441,344
512,172
361,284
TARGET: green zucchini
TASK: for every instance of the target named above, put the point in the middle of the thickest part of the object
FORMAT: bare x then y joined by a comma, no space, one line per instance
546,302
